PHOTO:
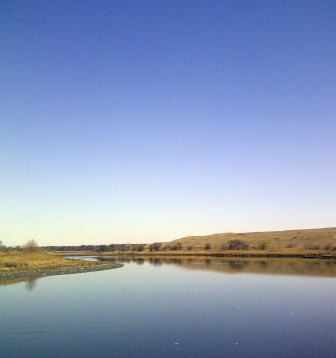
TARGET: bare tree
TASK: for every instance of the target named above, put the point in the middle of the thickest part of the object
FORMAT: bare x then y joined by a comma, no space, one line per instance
238,245
155,246
30,245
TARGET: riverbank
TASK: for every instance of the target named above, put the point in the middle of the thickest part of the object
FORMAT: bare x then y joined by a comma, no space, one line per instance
17,265
233,254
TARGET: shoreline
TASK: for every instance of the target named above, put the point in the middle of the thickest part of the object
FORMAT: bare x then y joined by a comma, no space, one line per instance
217,254
30,273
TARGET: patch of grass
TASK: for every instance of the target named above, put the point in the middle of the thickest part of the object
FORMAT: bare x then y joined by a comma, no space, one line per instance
14,260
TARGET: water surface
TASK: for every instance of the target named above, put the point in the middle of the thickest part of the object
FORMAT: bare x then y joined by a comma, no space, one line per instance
167,308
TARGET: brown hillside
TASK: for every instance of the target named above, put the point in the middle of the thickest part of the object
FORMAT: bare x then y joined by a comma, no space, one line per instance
299,239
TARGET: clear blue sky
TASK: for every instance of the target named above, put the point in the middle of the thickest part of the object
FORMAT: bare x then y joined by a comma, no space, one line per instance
142,121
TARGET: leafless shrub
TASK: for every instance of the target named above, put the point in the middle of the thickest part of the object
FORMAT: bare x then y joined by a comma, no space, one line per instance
140,247
328,247
155,246
30,245
238,245
224,247
177,246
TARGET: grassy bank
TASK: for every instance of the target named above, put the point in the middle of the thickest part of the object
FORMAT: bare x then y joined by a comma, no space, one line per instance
15,264
15,260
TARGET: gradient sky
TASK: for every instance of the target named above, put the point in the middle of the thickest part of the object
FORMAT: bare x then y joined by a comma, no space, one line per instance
142,121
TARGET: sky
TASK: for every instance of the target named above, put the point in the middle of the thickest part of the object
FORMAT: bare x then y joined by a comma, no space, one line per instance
143,121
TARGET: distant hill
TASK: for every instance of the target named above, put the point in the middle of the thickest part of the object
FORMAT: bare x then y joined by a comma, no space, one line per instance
305,239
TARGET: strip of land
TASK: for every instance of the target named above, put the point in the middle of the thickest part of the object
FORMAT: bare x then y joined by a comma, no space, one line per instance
25,265
310,243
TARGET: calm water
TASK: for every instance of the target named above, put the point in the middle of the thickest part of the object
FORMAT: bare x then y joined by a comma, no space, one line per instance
175,308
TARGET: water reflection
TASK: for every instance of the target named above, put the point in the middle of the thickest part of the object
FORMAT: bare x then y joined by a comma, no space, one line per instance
298,267
307,267
31,284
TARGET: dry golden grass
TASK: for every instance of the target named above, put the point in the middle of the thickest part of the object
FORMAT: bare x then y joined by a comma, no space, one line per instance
310,242
290,241
20,260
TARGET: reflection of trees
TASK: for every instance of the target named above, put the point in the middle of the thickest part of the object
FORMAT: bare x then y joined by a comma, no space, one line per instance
263,265
126,260
155,262
108,259
31,284
139,261
288,266
237,266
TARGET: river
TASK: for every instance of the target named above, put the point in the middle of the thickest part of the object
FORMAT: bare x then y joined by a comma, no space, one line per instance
175,307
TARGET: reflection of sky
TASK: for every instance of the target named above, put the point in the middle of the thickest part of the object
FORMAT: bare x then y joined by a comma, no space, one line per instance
129,122
146,309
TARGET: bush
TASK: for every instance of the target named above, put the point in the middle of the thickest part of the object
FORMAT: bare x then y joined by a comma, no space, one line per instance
238,245
189,248
140,247
155,247
30,245
10,264
207,246
264,245
102,248
177,246
312,247
224,247
328,247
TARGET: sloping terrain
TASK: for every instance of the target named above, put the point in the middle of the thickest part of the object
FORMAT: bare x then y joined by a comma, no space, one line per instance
312,239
